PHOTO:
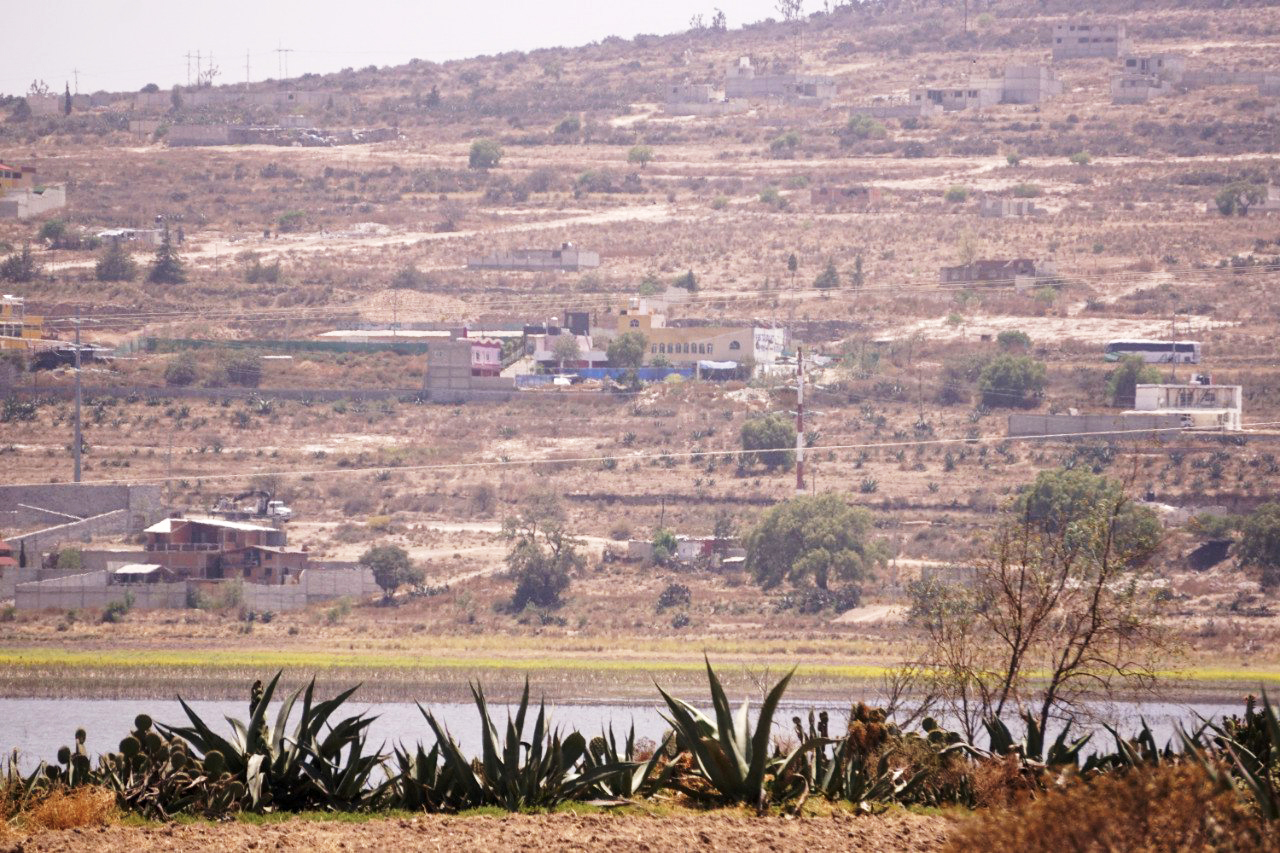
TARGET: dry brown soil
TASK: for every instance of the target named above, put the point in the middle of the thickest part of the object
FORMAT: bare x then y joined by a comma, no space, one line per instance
895,832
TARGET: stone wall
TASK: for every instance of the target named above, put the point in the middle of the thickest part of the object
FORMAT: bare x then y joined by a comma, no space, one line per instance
1119,425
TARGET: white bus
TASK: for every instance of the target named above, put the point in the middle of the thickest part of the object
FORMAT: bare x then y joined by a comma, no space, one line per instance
1155,352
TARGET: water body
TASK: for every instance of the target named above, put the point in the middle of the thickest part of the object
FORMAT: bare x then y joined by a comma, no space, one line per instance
38,727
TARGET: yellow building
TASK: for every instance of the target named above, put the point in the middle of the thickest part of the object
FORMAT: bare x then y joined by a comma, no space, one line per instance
18,330
687,345
16,178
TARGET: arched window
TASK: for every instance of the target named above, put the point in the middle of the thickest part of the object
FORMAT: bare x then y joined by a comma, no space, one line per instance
635,324
735,345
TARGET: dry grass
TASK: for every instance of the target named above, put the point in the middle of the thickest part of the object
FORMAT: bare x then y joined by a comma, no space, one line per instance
1170,808
58,810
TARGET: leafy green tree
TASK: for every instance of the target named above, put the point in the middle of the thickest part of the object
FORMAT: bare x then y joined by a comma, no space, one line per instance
566,349
1081,158
391,568
1060,499
1012,380
53,232
785,145
167,268
543,557
19,267
1014,340
1239,196
1123,382
957,194
569,126
627,350
771,440
664,546
829,278
485,154
813,540
115,264
640,155
1260,543
245,370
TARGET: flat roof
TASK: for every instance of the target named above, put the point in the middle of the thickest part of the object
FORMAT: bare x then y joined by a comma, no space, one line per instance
166,525
138,569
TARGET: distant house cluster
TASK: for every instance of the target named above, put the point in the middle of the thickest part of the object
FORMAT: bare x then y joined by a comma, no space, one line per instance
743,80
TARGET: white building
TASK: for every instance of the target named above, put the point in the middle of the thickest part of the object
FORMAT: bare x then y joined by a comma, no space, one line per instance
1200,406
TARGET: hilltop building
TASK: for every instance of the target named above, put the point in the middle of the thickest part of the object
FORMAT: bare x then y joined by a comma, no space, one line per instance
1003,208
700,99
1021,273
741,80
1020,84
1085,39
845,198
217,549
568,258
18,329
21,197
1200,405
685,346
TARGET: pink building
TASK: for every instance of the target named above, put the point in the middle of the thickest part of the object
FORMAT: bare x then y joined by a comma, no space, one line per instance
486,357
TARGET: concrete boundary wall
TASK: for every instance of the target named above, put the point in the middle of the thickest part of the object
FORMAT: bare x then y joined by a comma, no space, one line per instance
92,592
51,537
319,395
1121,426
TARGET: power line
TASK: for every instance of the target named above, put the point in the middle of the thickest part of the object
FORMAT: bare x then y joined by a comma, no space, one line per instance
688,454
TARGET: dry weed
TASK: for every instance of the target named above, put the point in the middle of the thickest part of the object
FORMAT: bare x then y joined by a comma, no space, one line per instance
1169,808
63,809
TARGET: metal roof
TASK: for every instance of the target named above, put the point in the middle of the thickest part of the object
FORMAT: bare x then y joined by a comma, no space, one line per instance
166,525
138,569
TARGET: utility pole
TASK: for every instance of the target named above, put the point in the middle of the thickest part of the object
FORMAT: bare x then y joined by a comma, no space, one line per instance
799,420
75,74
246,70
188,69
75,449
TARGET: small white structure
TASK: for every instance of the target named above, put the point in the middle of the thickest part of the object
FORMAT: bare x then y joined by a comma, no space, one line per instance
1084,39
999,208
568,257
25,203
1200,406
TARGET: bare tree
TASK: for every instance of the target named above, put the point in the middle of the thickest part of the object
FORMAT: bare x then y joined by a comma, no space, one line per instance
1052,617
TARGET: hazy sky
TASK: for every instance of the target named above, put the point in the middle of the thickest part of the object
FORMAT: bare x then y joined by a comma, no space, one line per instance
122,45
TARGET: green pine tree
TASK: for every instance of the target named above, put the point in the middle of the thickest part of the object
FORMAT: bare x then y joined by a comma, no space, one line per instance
168,266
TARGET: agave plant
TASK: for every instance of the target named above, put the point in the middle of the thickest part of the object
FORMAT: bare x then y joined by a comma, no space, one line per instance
631,778
305,767
732,758
1031,748
513,773
1251,747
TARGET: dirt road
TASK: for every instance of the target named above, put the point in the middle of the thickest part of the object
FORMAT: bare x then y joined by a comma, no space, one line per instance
719,831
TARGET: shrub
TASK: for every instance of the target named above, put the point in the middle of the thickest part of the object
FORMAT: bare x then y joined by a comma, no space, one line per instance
244,370
1012,380
956,194
485,154
1014,340
19,267
407,278
1081,158
773,198
1013,159
771,440
628,349
1239,196
116,610
1260,543
1123,382
664,546
784,146
829,278
640,154
290,221
674,595
862,127
1025,190
181,370
1165,808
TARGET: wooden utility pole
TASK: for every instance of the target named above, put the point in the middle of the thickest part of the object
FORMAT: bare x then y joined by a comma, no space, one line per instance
799,420
76,441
